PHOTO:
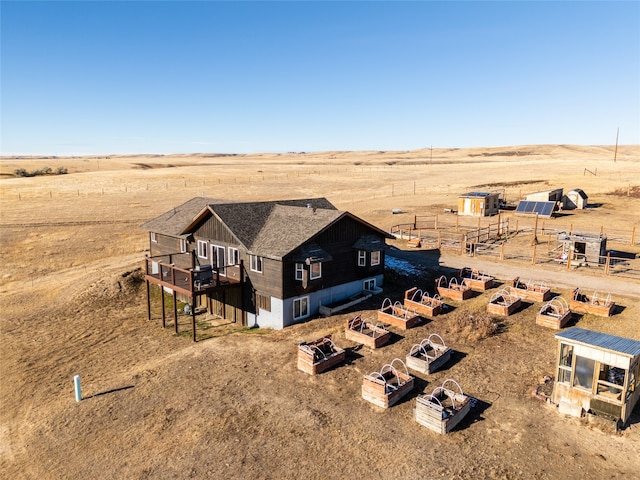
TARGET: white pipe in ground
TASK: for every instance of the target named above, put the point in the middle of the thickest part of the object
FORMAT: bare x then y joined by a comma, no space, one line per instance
76,383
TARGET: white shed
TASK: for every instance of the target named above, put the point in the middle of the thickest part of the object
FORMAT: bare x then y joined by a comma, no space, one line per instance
575,198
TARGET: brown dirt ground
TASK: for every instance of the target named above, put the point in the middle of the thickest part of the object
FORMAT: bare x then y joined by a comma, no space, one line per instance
234,405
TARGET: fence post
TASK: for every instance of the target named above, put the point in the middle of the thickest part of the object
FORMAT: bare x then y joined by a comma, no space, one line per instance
569,259
606,267
571,229
633,235
533,257
502,251
435,225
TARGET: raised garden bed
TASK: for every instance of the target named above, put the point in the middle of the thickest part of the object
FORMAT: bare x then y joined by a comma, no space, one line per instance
444,408
320,355
362,331
600,306
421,303
429,355
476,280
386,387
536,292
503,303
397,316
554,314
452,289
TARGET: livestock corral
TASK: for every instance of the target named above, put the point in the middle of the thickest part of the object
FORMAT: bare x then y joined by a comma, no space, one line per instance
235,404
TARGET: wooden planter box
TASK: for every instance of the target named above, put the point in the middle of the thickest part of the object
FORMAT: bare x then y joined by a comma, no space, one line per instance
442,410
475,280
554,314
421,303
581,303
320,355
428,355
386,387
454,291
530,291
361,331
397,316
503,304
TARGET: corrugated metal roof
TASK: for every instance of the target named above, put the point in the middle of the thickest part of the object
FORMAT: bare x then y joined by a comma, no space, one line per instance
622,345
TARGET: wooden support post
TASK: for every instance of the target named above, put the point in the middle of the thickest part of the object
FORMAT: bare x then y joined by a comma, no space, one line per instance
607,264
571,229
148,301
193,316
569,255
633,235
175,309
502,251
534,240
435,224
164,319
224,304
601,229
499,225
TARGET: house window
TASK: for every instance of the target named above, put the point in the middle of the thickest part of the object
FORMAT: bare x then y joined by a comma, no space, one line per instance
375,258
369,284
233,256
300,308
256,263
183,245
299,271
202,249
315,270
154,239
584,373
566,358
362,258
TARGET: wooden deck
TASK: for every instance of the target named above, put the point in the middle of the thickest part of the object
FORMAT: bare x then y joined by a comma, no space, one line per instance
190,282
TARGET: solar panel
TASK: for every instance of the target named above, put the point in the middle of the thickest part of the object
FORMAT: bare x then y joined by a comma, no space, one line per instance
527,207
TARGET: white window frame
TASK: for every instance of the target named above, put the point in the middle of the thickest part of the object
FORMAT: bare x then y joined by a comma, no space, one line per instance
219,259
376,254
202,249
362,258
300,302
299,275
154,238
256,263
311,272
369,284
183,245
233,256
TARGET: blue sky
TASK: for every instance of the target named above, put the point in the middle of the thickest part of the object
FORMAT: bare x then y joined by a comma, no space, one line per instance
240,77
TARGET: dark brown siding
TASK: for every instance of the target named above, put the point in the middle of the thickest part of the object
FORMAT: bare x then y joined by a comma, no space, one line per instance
212,229
168,249
338,241
269,282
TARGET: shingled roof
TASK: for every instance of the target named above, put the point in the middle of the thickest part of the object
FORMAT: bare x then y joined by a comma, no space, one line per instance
173,222
270,229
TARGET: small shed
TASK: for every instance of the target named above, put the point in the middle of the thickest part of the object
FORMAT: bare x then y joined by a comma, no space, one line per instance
575,198
479,204
545,196
590,248
597,373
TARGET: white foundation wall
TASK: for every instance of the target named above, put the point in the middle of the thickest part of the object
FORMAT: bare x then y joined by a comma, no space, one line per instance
281,314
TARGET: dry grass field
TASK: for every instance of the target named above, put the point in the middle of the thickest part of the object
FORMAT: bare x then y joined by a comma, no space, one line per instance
234,405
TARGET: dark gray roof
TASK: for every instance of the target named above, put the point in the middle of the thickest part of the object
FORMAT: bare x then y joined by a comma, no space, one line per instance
288,227
311,253
173,222
613,343
370,243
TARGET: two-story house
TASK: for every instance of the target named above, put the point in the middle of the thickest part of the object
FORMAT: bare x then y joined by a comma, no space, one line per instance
270,264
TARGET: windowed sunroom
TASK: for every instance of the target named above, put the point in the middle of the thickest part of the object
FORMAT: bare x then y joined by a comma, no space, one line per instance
597,373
